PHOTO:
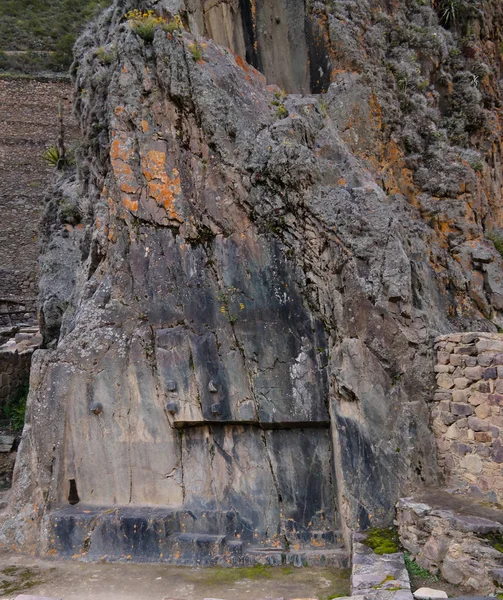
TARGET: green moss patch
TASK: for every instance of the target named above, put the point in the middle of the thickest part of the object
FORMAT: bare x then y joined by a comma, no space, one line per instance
383,540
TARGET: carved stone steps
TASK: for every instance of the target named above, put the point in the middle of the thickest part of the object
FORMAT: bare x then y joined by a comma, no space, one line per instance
180,537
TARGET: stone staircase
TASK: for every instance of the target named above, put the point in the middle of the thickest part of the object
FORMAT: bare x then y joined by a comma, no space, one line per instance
180,537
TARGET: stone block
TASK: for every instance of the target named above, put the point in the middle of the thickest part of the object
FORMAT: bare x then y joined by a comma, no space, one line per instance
483,387
461,449
482,411
442,395
485,360
452,432
425,593
443,369
489,346
490,373
495,399
472,463
497,454
445,381
457,360
462,410
471,361
476,398
478,424
470,350
482,449
460,395
447,418
483,436
497,359
498,386
443,357
461,383
474,373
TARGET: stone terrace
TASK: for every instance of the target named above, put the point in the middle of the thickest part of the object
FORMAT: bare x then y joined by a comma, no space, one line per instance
29,123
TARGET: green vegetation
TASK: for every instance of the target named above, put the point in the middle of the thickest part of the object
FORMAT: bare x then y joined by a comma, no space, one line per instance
448,13
281,112
42,32
14,410
144,23
415,570
196,51
383,540
497,240
226,298
495,539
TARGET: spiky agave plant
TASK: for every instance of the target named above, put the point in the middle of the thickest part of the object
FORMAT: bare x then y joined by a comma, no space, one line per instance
449,10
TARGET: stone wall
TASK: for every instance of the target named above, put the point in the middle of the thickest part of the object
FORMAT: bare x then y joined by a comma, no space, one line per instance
467,416
29,123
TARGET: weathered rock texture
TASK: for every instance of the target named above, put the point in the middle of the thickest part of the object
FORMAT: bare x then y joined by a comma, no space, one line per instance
467,418
29,122
454,537
251,303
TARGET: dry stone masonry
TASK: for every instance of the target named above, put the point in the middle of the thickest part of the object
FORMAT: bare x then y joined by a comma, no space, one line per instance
468,412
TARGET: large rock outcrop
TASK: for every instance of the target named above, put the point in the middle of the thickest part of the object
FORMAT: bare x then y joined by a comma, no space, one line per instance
248,325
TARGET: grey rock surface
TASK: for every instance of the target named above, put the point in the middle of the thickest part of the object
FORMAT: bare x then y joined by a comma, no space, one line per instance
249,302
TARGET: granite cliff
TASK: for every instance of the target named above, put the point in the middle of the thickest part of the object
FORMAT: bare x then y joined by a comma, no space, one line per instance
283,204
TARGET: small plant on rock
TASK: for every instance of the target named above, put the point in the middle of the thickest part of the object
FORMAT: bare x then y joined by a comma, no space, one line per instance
174,25
281,112
144,23
196,50
449,10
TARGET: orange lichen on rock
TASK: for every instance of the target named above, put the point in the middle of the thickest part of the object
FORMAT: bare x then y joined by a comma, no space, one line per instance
121,152
161,187
130,204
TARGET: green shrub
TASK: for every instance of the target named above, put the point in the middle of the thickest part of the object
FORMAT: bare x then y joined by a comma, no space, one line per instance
144,23
174,25
52,156
281,112
196,51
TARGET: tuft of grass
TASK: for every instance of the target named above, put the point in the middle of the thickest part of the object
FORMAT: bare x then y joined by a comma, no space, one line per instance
281,112
416,570
174,25
383,540
196,51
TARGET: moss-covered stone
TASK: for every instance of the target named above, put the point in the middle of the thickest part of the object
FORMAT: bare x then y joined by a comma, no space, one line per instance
383,540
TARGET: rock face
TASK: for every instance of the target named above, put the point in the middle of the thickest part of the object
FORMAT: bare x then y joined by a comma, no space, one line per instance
247,322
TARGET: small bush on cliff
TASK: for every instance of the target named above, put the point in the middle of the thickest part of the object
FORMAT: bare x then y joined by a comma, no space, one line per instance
144,23
196,51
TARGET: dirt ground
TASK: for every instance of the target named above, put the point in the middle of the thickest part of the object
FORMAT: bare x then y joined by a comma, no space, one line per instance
83,581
